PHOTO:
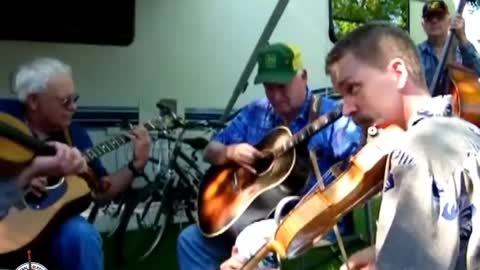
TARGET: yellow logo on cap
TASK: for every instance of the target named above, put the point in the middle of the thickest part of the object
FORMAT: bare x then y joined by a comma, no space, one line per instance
434,4
270,61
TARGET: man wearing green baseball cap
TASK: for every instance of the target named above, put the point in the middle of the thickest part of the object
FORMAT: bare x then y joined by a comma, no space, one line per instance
288,103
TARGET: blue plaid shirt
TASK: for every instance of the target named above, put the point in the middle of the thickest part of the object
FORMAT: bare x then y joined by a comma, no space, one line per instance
332,144
468,56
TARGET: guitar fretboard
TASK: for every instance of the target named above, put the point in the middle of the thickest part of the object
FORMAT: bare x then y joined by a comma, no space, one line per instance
308,130
114,143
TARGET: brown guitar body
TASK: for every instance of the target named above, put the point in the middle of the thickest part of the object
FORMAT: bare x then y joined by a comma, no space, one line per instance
231,197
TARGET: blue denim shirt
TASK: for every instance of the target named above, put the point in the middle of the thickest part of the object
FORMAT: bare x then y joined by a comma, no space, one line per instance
334,143
468,56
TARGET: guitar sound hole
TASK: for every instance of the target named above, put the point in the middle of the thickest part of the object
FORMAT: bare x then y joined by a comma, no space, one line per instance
262,164
32,199
52,181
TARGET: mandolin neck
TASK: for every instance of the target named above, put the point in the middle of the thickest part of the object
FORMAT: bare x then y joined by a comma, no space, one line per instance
111,144
310,129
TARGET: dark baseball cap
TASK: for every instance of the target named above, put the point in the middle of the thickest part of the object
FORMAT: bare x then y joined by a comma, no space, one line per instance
434,7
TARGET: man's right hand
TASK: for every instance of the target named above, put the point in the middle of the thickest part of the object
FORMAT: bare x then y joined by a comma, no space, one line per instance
66,161
236,261
361,260
243,154
39,186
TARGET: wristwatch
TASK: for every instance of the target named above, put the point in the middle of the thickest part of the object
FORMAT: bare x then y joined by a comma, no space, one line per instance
136,172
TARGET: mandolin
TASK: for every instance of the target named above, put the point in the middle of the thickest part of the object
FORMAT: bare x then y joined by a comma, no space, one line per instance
231,197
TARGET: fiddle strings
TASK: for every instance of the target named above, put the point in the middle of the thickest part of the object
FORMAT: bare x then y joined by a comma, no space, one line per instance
320,183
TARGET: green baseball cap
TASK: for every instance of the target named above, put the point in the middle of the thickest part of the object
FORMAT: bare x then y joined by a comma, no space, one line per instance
278,63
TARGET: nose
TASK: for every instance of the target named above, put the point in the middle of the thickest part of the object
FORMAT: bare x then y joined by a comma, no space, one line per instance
348,108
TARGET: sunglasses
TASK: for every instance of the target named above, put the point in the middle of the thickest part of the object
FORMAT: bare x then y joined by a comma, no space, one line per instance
65,102
438,16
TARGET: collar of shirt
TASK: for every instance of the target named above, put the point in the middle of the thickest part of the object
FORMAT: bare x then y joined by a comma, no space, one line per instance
435,107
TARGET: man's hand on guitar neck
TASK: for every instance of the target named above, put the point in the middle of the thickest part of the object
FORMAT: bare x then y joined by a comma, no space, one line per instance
243,154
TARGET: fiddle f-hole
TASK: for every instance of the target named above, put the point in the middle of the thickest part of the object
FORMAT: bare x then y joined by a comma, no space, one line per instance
264,164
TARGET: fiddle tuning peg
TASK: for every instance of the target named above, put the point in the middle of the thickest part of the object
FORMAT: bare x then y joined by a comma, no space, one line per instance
372,131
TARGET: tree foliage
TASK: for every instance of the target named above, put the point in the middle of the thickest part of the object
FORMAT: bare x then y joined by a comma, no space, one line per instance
348,14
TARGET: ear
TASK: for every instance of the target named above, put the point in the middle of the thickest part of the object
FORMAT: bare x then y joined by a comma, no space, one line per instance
304,75
31,102
399,70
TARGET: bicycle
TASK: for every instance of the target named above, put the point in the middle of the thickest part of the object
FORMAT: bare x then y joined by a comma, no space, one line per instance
173,189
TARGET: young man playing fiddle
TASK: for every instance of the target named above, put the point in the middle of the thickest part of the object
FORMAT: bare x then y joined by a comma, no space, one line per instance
427,217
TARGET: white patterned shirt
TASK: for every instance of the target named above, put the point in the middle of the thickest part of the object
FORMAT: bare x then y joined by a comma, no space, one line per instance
428,214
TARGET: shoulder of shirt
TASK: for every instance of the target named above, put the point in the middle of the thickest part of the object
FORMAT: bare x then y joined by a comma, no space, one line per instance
440,133
260,103
12,106
326,104
422,46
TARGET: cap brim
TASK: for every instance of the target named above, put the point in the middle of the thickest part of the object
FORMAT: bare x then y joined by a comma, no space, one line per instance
274,77
435,11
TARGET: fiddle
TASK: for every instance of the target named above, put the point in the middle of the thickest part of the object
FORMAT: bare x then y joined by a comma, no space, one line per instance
320,209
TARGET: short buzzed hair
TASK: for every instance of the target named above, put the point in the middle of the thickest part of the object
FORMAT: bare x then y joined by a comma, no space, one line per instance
377,43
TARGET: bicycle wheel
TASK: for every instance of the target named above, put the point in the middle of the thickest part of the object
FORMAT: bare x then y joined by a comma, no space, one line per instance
180,198
144,218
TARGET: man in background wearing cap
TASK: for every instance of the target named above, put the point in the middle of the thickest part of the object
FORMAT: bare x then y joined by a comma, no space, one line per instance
436,23
287,103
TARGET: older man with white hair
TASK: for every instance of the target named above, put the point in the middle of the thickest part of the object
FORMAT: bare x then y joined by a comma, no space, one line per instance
46,103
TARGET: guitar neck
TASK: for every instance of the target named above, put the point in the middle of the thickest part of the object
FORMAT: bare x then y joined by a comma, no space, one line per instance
316,125
111,144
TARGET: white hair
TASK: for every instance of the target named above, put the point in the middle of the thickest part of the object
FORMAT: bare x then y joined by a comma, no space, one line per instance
33,77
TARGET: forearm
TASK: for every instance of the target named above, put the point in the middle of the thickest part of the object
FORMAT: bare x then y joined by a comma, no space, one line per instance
119,182
216,153
470,56
23,179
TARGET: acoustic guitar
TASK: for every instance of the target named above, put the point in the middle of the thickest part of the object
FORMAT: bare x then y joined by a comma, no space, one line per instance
231,197
32,217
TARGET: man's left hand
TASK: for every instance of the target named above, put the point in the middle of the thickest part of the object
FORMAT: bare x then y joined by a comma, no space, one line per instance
141,146
457,24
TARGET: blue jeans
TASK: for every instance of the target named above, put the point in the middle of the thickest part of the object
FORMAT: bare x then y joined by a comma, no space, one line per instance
77,245
194,251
